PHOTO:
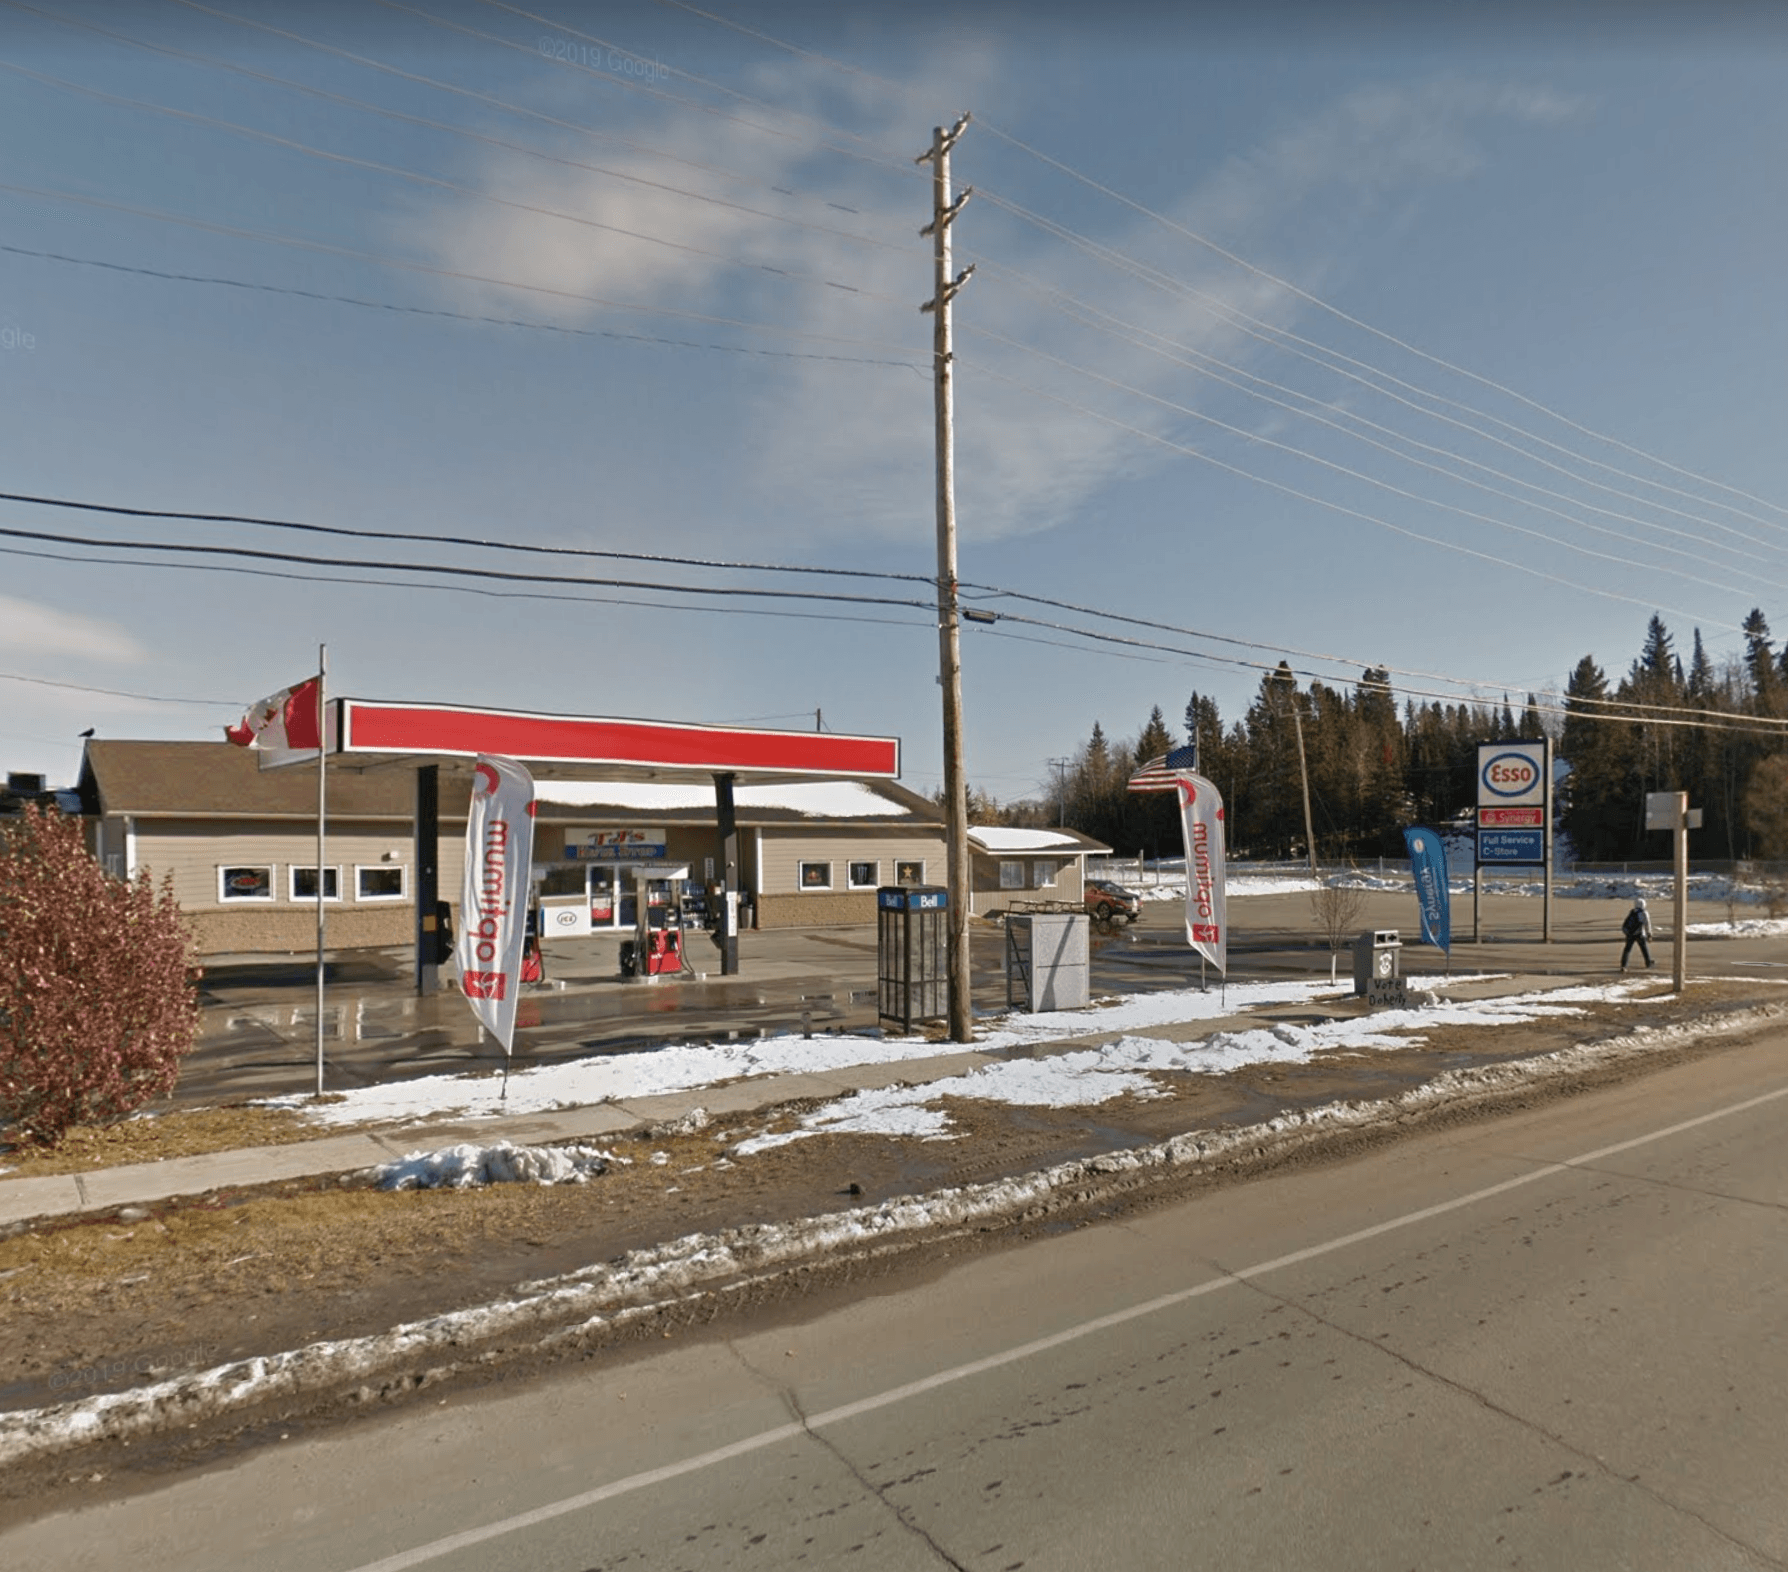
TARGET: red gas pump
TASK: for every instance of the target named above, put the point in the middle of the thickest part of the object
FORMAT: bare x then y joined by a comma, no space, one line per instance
657,945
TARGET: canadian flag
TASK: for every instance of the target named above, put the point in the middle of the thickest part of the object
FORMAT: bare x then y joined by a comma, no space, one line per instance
287,720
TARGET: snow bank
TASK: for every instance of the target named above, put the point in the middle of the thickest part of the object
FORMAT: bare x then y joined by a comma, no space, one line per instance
466,1166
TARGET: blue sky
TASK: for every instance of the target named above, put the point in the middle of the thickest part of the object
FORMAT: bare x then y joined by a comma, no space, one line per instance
1576,207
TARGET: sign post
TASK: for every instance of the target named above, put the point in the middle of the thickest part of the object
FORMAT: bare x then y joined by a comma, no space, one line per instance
1514,818
1670,810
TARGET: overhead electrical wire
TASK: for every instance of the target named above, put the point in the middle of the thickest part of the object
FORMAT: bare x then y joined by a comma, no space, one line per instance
1338,507
1326,357
434,538
212,62
300,243
1236,260
986,591
493,102
460,316
1377,332
1343,469
1342,419
375,167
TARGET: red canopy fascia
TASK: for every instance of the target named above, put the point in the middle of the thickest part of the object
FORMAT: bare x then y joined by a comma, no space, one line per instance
659,747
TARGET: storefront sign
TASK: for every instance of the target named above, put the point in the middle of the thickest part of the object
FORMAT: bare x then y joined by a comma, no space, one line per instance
643,845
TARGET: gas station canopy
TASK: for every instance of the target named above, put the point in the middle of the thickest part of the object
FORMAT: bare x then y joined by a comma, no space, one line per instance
365,733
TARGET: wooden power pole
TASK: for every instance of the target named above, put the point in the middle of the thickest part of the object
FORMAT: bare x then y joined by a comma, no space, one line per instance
945,286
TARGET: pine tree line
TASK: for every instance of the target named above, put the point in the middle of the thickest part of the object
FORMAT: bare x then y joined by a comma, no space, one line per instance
1374,769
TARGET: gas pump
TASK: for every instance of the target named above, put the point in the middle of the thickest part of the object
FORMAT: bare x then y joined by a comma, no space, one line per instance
656,948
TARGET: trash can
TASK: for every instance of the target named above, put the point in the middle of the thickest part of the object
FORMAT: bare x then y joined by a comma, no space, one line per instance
1046,960
1377,956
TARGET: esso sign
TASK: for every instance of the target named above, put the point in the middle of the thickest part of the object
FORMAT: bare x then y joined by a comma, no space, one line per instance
1511,774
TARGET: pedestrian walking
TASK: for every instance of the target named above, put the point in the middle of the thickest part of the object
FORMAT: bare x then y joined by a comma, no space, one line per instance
1637,928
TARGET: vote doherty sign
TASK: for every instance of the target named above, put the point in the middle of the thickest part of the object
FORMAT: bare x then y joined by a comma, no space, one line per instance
1514,799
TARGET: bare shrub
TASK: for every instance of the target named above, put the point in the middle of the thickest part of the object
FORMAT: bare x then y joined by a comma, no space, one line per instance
97,1007
1337,909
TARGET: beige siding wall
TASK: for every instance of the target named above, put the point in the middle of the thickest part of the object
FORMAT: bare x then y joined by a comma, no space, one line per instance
987,896
786,850
192,852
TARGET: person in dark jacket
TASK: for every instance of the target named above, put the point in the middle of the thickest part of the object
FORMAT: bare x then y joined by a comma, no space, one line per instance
1637,928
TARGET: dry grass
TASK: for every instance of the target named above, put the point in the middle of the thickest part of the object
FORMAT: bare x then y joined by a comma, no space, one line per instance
189,1133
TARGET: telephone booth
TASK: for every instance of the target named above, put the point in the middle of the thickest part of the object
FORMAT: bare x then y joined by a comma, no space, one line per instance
912,954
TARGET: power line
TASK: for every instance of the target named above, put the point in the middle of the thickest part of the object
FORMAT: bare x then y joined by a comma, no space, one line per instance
1338,507
1179,353
429,539
211,62
375,167
1380,333
1326,357
1348,470
452,571
299,243
461,316
113,693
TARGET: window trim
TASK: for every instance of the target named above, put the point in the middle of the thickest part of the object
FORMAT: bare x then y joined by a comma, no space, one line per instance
801,879
296,868
1038,864
403,882
852,882
224,896
1012,873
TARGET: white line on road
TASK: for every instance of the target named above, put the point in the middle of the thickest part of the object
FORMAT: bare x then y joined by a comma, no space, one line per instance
899,1394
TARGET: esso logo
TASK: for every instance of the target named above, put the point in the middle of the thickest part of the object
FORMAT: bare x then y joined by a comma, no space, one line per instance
1510,775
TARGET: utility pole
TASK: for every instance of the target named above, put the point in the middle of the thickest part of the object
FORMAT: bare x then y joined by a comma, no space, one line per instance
1304,775
1060,766
944,288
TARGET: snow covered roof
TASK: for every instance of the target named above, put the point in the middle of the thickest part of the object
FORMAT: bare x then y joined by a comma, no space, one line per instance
802,799
1006,838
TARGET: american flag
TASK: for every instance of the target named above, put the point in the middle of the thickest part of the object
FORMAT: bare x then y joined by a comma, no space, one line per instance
1159,773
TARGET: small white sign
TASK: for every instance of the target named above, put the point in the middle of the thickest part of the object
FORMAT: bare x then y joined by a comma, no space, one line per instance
1512,774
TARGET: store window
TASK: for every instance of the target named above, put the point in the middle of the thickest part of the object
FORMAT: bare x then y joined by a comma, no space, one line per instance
1011,875
1043,873
245,884
909,873
304,884
379,882
863,875
816,875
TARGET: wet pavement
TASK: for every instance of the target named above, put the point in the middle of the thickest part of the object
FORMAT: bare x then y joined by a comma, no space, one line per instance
258,1028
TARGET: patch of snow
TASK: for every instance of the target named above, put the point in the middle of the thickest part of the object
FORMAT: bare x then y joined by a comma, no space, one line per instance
995,837
1744,928
467,1166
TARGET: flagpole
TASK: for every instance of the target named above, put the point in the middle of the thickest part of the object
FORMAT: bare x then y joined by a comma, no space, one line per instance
322,777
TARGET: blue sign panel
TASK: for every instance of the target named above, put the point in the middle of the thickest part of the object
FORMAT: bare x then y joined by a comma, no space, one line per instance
919,899
1516,846
1428,871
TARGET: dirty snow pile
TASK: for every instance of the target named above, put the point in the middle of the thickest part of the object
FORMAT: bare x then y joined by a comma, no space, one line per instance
467,1166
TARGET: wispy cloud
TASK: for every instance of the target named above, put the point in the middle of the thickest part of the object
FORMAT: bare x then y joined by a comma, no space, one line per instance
846,449
32,628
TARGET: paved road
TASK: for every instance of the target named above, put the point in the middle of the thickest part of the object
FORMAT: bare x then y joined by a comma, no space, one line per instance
1551,1340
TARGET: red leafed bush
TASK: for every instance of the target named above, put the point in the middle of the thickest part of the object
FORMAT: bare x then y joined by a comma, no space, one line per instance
96,1007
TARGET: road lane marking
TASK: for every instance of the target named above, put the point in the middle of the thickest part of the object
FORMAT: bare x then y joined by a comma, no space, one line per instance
464,1540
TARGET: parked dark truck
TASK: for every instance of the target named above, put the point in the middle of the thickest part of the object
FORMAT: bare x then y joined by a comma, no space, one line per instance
1108,902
